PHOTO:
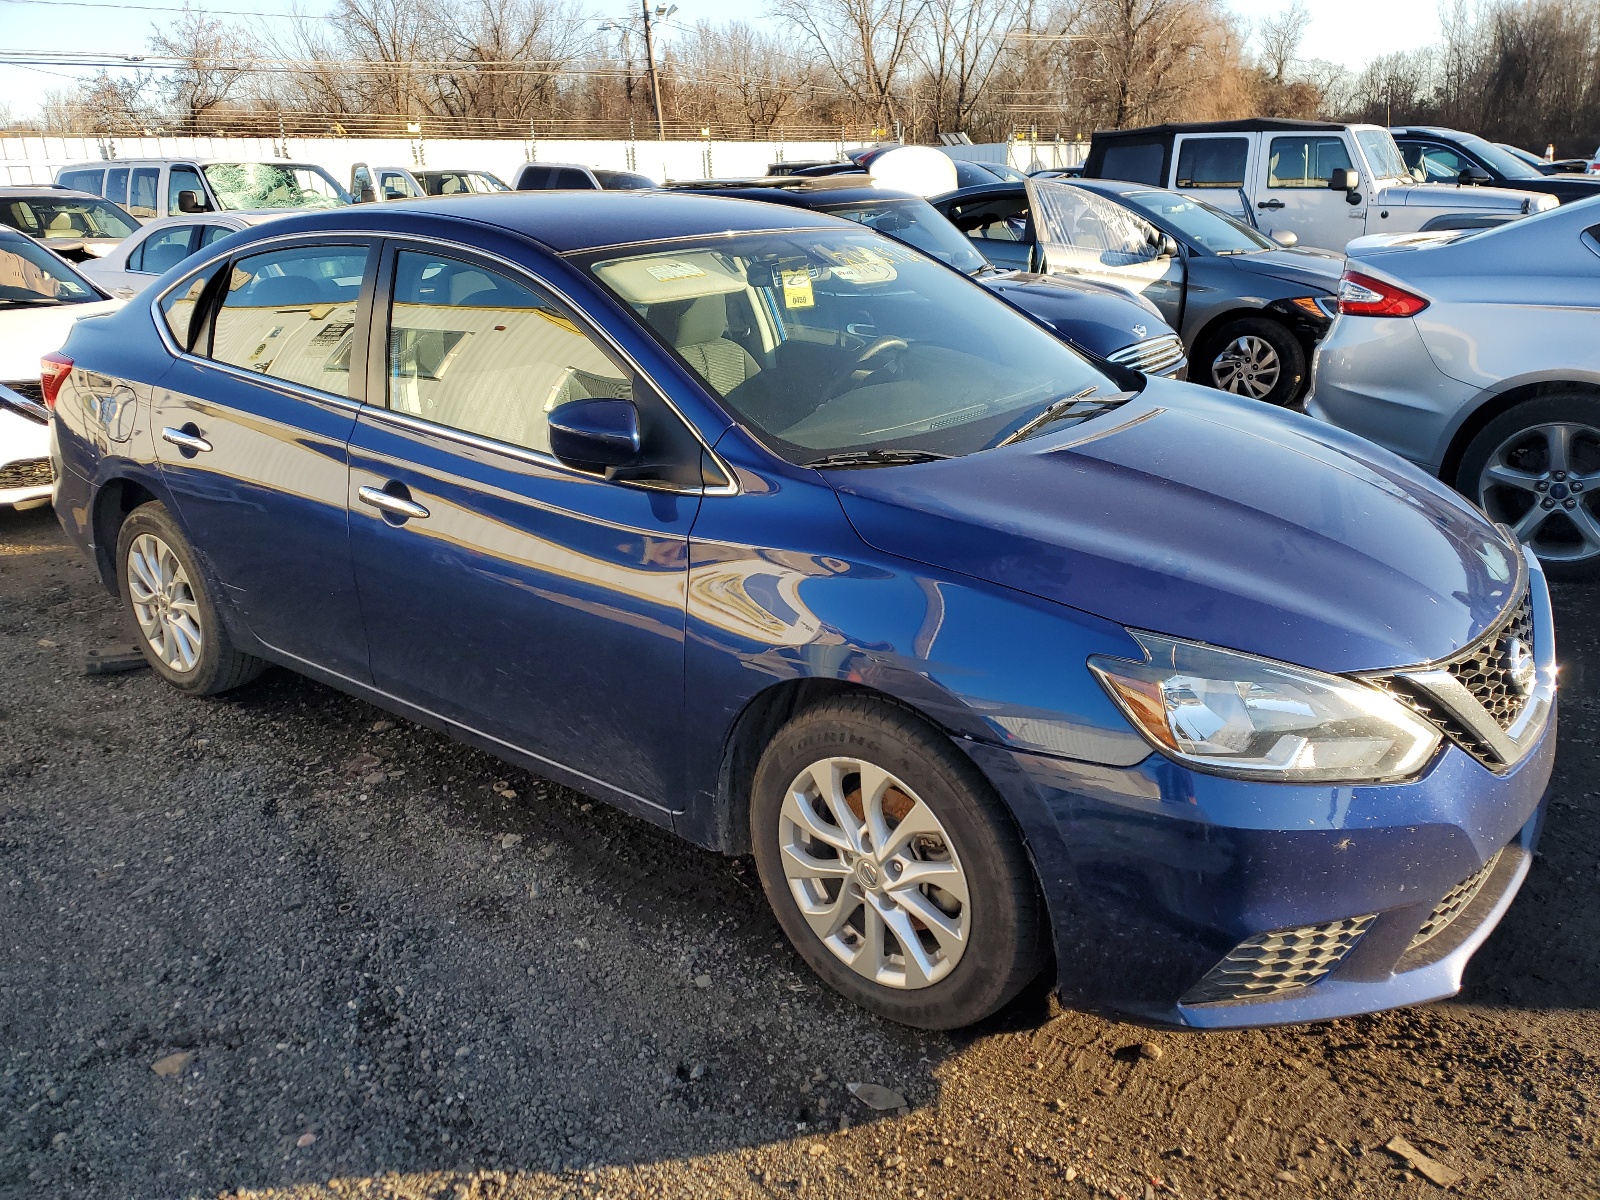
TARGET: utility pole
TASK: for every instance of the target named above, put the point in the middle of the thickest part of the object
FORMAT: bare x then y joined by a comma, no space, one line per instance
650,57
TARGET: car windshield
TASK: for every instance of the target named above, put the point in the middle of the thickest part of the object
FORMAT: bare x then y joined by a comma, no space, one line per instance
274,185
917,223
1508,164
1383,156
832,341
455,183
65,218
31,275
1200,223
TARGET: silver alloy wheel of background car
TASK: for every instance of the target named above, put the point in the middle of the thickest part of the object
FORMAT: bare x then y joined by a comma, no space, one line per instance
1247,366
1541,481
874,873
164,602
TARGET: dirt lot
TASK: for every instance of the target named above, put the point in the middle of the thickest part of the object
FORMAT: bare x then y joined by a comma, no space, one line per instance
278,945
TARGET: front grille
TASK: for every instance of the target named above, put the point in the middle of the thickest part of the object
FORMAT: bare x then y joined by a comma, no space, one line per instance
31,389
1279,961
1153,356
27,472
1454,901
1484,669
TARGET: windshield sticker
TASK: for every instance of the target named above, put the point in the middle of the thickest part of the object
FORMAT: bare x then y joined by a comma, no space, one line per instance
861,265
797,289
675,270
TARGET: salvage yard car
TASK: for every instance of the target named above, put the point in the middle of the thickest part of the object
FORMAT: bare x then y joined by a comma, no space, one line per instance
75,225
369,184
779,534
1322,182
171,187
143,257
1478,358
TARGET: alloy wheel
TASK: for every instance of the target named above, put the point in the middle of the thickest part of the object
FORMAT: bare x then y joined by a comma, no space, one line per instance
1247,366
874,873
1542,481
164,603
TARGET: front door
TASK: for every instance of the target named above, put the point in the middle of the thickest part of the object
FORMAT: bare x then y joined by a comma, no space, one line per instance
1292,192
251,432
1083,233
536,604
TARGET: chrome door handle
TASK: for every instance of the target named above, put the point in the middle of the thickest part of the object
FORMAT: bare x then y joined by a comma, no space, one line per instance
391,504
191,442
1269,204
125,293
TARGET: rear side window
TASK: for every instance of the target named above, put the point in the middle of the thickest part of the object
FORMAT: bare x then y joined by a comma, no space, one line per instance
82,181
212,233
478,351
1137,162
161,252
533,178
291,314
142,191
117,185
178,306
1212,162
1305,162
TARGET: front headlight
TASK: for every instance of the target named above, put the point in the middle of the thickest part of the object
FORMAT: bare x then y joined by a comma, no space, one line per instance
1236,714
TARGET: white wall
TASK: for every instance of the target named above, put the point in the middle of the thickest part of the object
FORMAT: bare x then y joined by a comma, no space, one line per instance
26,160
1023,155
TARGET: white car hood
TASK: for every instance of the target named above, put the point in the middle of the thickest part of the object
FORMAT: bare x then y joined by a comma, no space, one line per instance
27,333
1463,199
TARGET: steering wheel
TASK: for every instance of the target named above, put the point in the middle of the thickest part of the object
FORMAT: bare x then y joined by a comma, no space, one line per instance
862,366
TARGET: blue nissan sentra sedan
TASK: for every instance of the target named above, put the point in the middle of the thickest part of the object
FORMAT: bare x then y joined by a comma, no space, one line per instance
776,533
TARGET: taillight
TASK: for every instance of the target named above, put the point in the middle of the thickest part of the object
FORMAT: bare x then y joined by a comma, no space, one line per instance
53,372
1363,296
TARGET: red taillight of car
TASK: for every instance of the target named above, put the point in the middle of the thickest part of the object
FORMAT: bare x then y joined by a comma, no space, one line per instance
1363,296
53,372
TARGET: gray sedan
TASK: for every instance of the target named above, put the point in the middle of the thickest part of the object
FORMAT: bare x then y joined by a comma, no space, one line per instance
1249,311
1477,356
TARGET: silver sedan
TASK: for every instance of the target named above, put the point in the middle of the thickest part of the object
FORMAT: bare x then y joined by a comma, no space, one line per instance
145,255
1477,356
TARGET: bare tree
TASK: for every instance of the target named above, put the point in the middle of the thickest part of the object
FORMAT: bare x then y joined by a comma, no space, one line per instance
1280,37
216,59
864,43
963,44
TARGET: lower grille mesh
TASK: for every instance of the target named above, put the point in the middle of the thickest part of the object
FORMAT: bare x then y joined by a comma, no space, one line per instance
29,472
1279,961
1454,902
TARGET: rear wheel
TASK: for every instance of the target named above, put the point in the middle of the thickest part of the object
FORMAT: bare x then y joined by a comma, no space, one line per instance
893,867
1254,357
165,593
1536,468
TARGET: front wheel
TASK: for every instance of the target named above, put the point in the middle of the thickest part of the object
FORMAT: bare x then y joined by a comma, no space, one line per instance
162,587
893,867
1254,357
1536,468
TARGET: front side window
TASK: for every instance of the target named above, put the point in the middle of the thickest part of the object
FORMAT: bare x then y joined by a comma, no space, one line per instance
622,181
1212,162
274,185
66,219
1437,164
455,183
1305,162
1004,219
163,250
32,277
1090,233
291,314
142,185
396,186
180,180
1212,230
478,351
830,341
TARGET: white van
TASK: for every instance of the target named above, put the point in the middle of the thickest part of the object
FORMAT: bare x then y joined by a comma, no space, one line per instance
170,187
1324,183
369,184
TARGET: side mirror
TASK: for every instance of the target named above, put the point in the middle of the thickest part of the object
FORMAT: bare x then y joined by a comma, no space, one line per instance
1344,179
1472,175
595,435
366,195
192,202
1286,238
1168,246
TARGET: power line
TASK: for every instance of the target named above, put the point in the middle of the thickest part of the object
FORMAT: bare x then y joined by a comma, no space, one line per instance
221,12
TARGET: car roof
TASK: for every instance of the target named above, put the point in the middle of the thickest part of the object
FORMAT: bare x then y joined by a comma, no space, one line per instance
184,160
1429,130
568,221
46,191
1247,125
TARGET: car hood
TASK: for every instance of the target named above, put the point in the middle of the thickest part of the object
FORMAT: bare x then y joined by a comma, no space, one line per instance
1188,513
28,333
1454,198
1097,316
1319,269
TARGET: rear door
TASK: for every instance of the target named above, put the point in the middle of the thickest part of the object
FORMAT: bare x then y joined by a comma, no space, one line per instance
531,602
1215,168
251,432
1292,190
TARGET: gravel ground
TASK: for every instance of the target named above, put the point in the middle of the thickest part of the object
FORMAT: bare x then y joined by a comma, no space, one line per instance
280,945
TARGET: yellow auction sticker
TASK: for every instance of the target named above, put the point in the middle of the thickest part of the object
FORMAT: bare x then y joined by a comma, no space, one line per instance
797,289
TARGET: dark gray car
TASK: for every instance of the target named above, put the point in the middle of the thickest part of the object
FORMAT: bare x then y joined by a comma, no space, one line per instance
1249,311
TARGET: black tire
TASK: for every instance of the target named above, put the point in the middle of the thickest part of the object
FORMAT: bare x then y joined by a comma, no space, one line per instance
1291,359
217,667
1006,944
1519,438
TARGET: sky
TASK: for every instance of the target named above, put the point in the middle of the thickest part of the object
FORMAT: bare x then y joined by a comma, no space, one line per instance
1348,31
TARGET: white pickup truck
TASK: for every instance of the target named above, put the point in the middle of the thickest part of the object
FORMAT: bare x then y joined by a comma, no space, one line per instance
1323,183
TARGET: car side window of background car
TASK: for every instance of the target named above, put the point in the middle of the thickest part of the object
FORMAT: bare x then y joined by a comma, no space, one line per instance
117,185
1439,164
162,251
180,180
477,351
1212,162
82,181
291,314
1305,162
1135,161
142,185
